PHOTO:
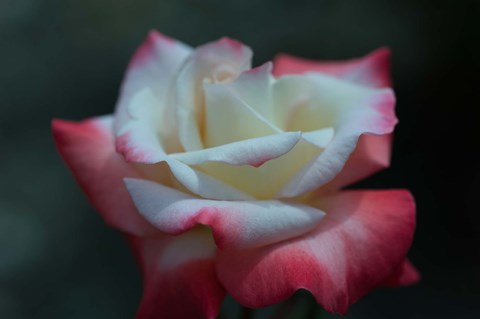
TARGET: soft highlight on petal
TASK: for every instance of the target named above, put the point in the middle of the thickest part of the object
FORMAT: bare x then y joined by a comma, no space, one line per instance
357,247
235,224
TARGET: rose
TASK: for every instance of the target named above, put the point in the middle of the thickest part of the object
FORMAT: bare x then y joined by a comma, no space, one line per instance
200,139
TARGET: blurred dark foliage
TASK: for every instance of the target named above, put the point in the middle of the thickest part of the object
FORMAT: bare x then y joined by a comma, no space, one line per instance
66,59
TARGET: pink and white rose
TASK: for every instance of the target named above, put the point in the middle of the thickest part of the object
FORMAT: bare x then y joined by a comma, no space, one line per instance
227,178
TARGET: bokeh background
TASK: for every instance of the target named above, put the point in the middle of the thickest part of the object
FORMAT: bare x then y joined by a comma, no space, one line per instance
66,59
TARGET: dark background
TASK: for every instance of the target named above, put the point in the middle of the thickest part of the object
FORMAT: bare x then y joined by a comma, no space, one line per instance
66,59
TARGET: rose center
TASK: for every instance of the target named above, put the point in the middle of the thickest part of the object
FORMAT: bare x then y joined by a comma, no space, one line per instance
223,73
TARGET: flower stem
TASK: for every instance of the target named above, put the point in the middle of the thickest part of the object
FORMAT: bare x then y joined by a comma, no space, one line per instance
314,311
284,311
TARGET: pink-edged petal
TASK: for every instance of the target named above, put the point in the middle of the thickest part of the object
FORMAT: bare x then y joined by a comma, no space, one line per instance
139,140
406,275
350,110
218,61
142,122
179,276
357,246
235,224
371,70
372,154
253,152
88,149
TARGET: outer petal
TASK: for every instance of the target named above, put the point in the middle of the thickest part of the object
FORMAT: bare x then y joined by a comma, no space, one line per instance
372,154
406,275
142,123
371,70
88,149
218,61
238,224
179,276
350,109
357,247
139,140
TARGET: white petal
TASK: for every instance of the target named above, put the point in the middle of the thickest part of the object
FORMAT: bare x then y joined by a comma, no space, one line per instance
320,138
254,87
221,60
254,152
265,181
229,118
241,224
151,69
139,139
202,184
350,109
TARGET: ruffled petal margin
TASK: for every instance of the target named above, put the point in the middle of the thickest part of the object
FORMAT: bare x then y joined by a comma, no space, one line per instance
359,245
87,147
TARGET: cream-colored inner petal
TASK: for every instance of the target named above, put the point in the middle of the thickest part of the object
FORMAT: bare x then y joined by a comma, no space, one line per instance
229,118
265,181
216,62
217,104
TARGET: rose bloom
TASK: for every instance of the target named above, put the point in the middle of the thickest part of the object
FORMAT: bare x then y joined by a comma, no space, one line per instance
228,179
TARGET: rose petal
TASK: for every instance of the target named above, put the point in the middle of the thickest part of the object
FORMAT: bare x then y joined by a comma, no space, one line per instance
139,140
88,149
372,154
254,152
323,101
235,224
357,246
254,87
265,181
141,120
320,138
371,70
217,61
406,275
204,185
179,276
229,118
